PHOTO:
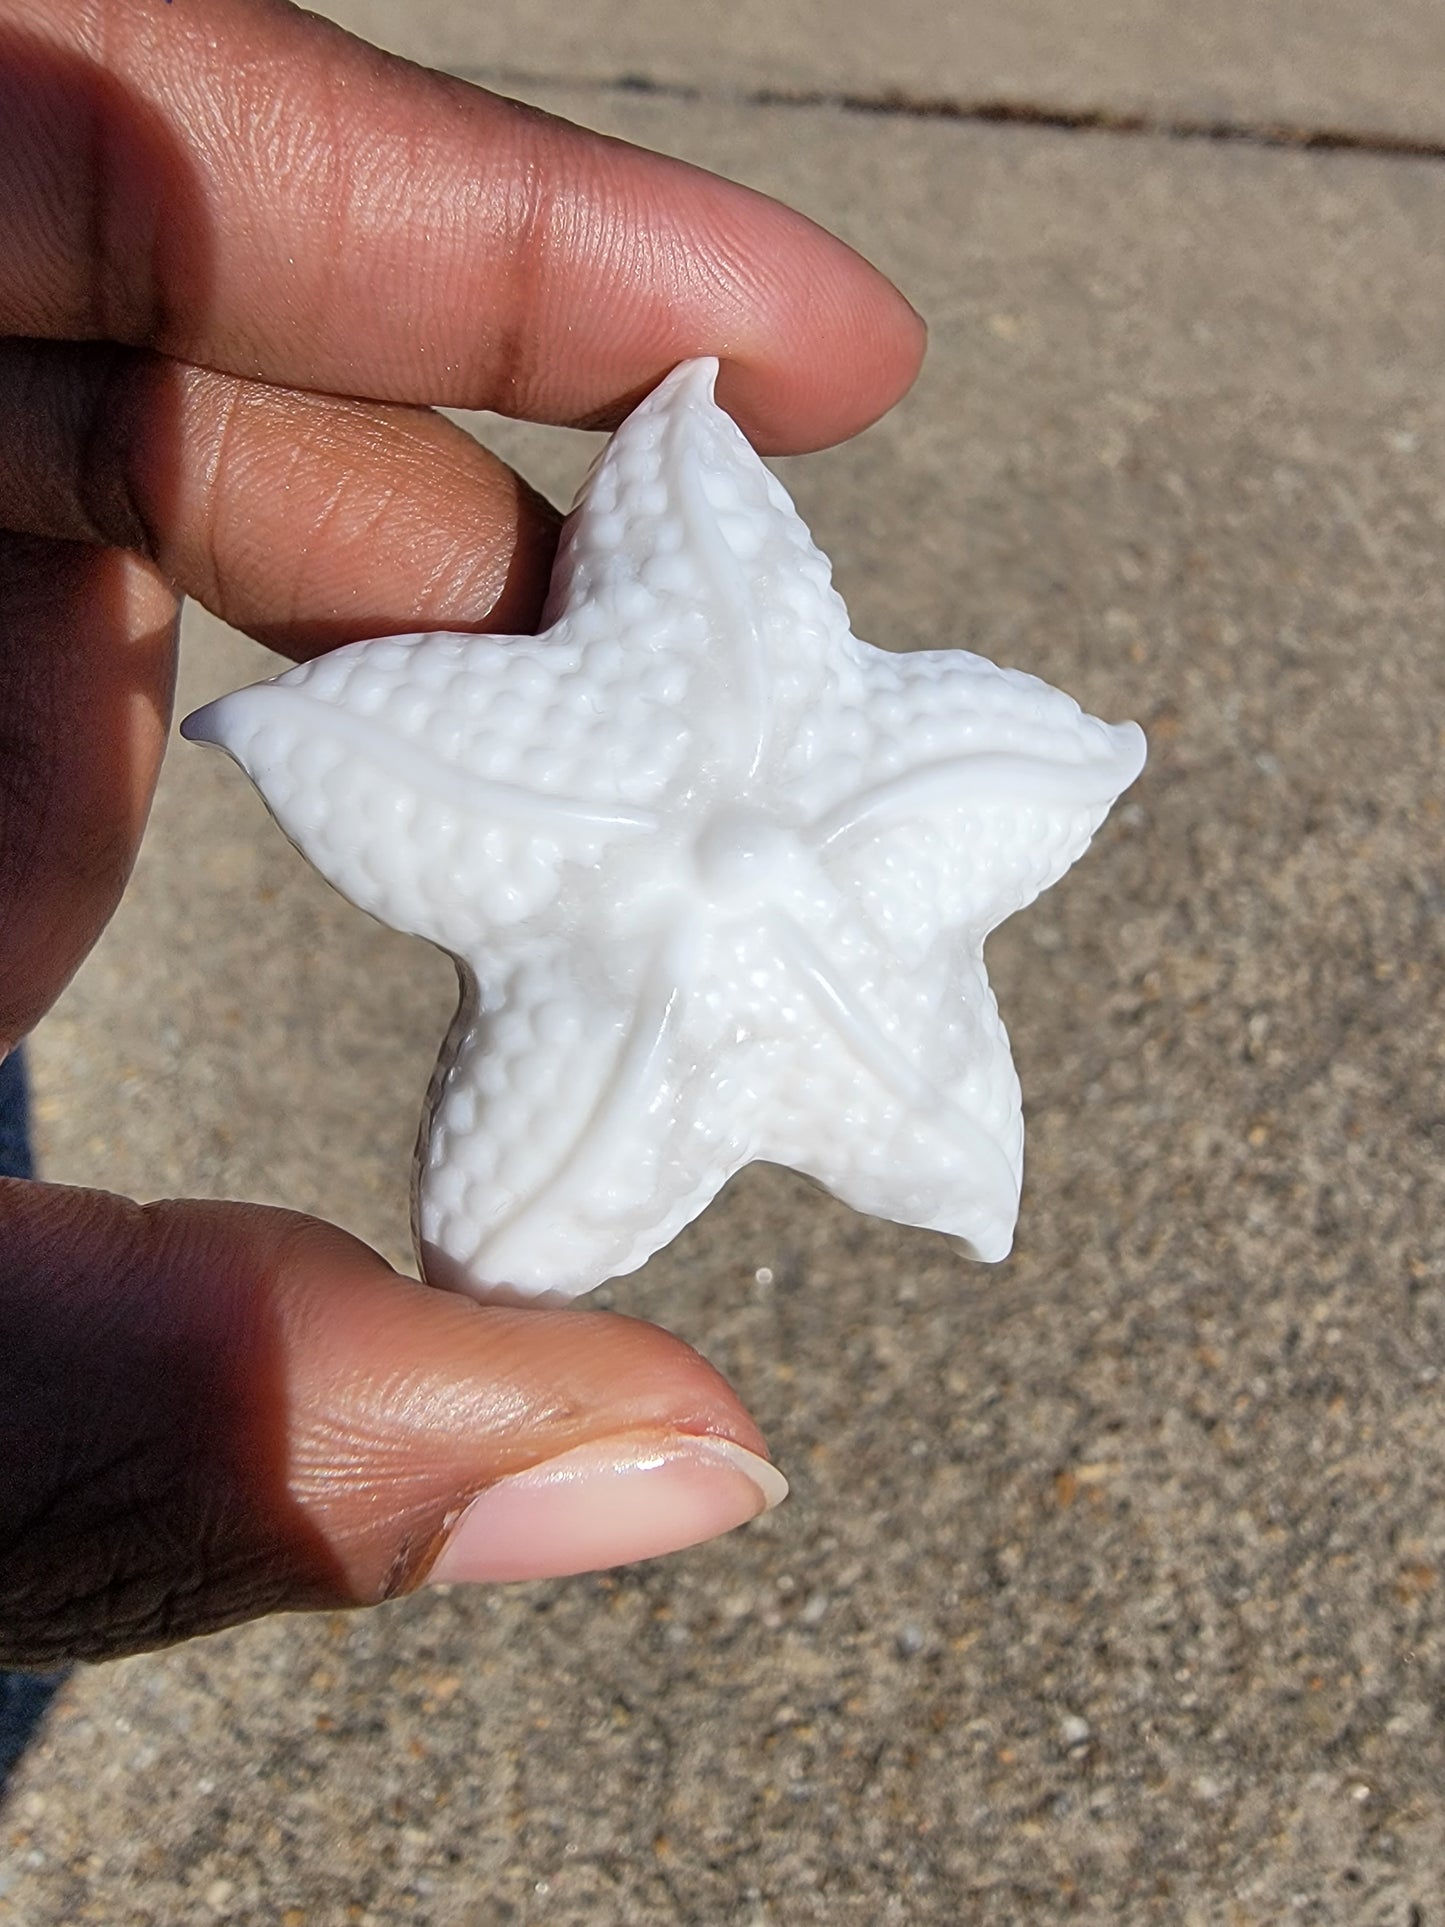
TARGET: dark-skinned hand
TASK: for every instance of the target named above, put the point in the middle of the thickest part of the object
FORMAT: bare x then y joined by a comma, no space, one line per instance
243,257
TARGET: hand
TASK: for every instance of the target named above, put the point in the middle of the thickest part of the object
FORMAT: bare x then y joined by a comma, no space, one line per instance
241,256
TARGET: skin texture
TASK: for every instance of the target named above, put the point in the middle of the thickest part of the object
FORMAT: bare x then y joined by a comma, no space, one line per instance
242,259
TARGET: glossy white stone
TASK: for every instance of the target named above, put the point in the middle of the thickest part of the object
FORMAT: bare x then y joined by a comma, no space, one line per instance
716,874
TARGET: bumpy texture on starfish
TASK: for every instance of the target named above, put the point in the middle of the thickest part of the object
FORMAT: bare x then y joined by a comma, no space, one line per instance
716,874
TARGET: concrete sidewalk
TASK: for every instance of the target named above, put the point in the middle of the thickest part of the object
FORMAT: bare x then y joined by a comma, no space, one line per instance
1112,1586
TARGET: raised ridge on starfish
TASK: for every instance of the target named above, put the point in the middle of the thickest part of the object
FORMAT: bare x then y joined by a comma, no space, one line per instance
716,874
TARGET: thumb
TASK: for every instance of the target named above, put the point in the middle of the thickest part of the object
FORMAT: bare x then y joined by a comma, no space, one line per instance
213,1411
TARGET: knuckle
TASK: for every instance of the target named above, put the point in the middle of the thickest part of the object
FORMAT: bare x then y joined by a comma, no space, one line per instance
144,1436
122,1550
112,408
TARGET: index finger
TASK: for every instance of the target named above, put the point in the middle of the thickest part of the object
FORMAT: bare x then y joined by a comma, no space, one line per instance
245,186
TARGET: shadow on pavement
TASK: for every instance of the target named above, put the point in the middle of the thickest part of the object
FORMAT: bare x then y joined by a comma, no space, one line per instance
24,1701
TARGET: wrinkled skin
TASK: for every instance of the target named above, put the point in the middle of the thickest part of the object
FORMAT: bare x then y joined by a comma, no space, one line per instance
242,259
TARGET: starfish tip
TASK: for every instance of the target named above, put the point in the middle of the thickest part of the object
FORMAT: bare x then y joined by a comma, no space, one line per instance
697,379
229,721
1133,751
203,725
985,1246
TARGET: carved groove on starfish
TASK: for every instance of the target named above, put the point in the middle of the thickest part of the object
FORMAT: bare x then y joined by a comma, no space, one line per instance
732,592
633,1083
860,1031
459,788
958,781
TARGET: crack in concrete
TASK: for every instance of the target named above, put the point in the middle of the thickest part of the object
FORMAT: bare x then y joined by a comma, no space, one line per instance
1120,124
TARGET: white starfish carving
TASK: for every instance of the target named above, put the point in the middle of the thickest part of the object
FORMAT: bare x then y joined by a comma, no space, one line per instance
716,874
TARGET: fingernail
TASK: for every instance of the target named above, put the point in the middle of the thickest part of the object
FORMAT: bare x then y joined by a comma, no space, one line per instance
606,1504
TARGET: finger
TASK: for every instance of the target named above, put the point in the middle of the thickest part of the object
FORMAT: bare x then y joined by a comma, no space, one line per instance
209,1412
304,519
242,185
87,657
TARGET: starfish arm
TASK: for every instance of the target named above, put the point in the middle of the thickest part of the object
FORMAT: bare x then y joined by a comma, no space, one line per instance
444,782
965,790
681,525
913,1108
570,1136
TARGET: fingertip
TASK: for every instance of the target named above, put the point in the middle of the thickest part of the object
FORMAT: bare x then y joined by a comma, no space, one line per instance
409,1402
544,1377
814,342
836,393
832,348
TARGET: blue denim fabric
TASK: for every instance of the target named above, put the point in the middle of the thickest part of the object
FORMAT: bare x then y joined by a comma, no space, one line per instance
24,1697
15,1157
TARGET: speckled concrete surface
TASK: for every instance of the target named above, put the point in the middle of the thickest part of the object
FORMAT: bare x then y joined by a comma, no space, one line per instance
1297,64
1110,1589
